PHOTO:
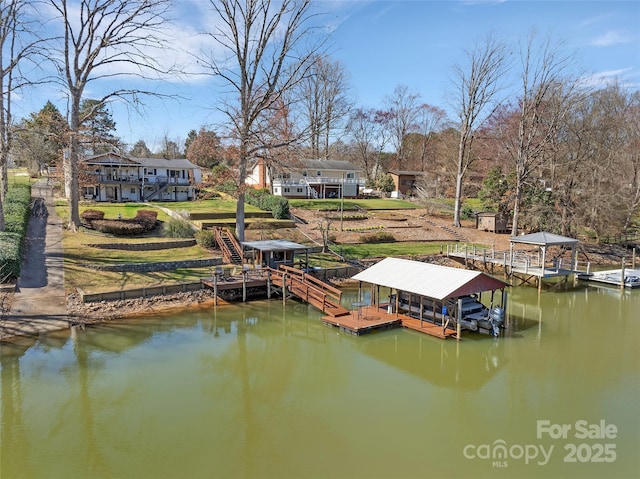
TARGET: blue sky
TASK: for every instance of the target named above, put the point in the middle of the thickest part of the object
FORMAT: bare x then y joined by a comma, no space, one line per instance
383,44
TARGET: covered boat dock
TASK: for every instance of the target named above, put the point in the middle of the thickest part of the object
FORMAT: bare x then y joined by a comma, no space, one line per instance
426,297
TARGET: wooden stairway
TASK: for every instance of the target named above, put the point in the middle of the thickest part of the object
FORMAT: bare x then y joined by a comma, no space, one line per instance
310,289
228,244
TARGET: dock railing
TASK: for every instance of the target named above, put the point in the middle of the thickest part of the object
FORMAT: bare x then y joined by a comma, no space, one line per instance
516,259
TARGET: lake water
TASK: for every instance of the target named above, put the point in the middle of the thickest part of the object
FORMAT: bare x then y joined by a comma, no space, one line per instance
259,390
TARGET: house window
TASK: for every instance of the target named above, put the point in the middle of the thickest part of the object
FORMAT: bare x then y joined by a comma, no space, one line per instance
287,190
304,173
276,190
286,176
299,190
318,173
351,175
133,190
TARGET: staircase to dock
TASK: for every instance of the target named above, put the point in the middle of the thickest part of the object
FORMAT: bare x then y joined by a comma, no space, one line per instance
310,289
228,244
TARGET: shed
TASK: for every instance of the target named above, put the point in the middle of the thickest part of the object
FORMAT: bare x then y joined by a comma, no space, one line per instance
404,181
491,221
273,253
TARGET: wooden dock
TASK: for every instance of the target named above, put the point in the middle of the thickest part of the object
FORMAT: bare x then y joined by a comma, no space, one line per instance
286,281
362,320
367,319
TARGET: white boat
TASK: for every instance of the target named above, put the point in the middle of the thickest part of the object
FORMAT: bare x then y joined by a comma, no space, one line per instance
475,315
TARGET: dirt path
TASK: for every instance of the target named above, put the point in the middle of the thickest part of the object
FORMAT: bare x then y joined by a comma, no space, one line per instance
39,303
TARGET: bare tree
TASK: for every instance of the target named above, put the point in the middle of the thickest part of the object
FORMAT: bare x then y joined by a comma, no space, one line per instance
403,105
268,54
632,158
429,120
369,133
547,96
323,224
19,45
102,38
476,88
324,96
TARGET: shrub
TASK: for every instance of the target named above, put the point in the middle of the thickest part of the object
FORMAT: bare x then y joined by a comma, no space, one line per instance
10,256
206,239
147,218
17,209
119,227
264,200
380,237
88,216
177,228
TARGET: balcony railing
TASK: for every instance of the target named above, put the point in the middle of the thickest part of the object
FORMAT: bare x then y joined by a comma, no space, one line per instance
135,179
317,180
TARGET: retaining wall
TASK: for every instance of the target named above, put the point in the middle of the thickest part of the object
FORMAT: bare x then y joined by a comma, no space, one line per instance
139,292
158,266
146,246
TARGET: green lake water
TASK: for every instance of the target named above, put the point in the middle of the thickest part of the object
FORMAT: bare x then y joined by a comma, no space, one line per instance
258,390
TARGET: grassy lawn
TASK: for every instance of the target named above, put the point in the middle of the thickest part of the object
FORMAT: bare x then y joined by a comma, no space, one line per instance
349,204
78,255
111,210
377,250
212,205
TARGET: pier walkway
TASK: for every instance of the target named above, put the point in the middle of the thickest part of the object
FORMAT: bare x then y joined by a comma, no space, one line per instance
286,281
543,258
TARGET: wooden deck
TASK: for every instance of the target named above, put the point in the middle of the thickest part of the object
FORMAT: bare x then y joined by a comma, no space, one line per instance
295,282
367,319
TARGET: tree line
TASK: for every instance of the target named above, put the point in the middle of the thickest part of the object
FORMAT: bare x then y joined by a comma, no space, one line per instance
522,129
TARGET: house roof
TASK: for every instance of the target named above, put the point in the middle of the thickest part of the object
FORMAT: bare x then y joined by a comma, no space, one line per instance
110,158
430,280
406,173
275,245
325,165
543,239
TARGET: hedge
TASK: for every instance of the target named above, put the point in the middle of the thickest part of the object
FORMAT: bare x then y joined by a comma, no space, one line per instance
17,209
264,200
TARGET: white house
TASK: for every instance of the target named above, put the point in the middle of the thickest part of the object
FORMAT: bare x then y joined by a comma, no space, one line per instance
308,179
112,177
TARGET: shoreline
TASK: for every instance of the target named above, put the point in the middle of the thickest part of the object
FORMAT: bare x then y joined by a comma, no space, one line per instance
83,314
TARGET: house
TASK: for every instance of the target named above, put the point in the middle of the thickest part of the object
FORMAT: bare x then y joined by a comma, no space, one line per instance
308,179
493,222
113,177
404,182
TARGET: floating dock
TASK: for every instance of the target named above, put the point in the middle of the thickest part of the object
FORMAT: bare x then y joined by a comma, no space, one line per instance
614,277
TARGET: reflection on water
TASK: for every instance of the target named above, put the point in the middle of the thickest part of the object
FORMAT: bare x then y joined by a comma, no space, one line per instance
262,390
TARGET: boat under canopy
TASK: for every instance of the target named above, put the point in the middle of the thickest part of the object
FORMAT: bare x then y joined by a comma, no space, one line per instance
419,285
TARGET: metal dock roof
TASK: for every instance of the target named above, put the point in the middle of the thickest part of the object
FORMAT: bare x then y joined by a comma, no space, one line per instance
425,279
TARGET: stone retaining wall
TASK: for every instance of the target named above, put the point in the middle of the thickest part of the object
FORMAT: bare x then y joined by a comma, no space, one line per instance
146,246
158,266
